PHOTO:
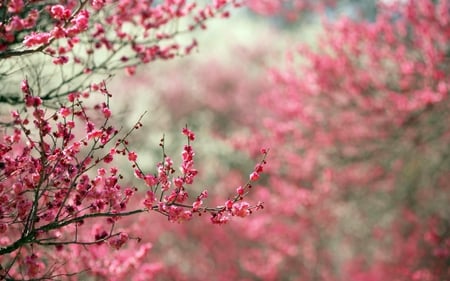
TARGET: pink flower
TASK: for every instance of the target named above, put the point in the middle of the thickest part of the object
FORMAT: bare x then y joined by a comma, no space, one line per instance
36,39
203,195
241,209
58,32
229,204
60,12
132,156
81,21
118,241
178,214
149,199
219,218
35,177
259,168
94,134
254,176
178,182
25,87
189,134
31,101
98,4
130,70
151,180
15,6
64,111
61,60
196,205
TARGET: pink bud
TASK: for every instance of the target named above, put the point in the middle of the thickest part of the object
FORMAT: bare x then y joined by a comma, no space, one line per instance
254,176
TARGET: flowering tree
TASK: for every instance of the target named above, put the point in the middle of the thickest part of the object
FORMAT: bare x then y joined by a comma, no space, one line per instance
359,174
365,148
60,188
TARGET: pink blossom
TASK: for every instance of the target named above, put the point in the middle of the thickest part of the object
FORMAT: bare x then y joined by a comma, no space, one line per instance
189,134
130,70
36,39
25,87
98,4
61,60
178,182
81,21
64,111
132,156
149,199
254,176
229,204
219,218
94,134
60,12
118,241
203,194
15,6
150,180
196,205
240,209
58,32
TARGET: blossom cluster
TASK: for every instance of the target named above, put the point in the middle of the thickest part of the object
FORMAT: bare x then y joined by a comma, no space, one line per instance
55,29
58,176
